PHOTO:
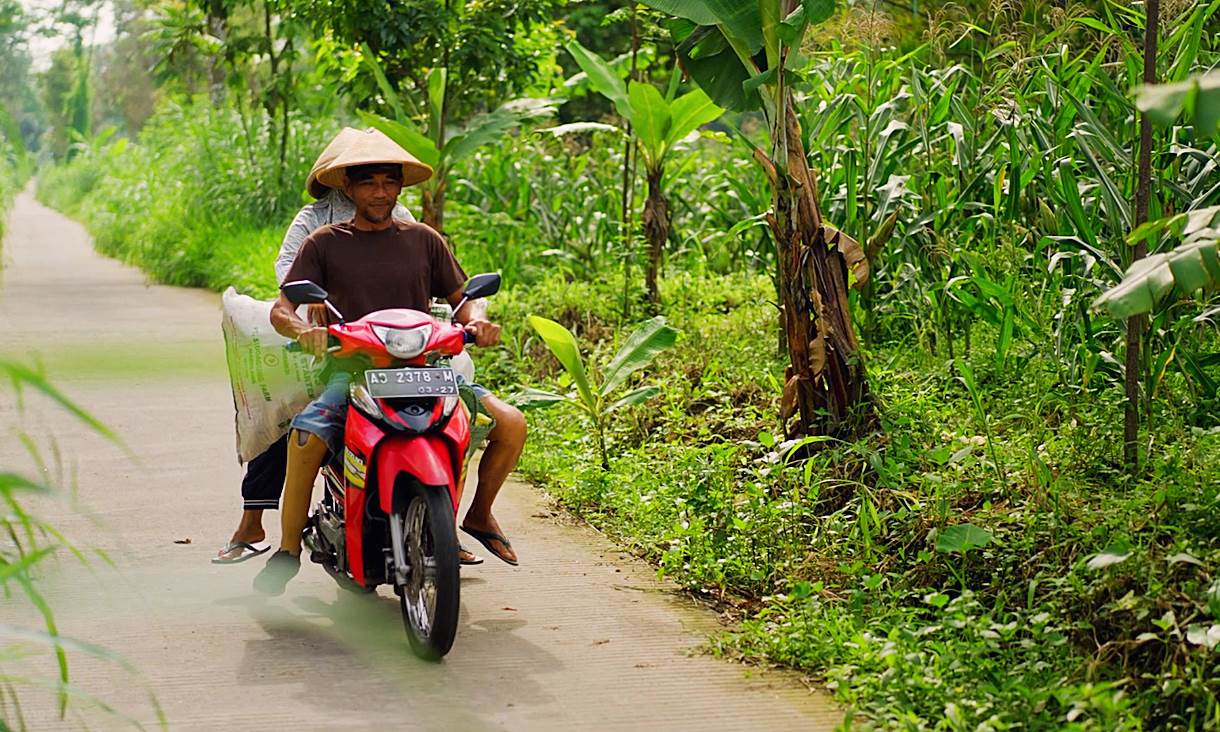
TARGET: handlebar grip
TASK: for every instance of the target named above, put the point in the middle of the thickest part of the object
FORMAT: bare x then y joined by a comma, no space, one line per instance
467,337
332,345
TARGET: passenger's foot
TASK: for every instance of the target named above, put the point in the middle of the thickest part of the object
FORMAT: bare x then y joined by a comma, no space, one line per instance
239,551
491,537
281,567
467,557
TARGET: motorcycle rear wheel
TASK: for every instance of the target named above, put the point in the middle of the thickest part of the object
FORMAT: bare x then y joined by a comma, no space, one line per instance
430,598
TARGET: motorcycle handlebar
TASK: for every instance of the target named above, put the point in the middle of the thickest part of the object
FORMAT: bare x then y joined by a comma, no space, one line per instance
294,347
332,345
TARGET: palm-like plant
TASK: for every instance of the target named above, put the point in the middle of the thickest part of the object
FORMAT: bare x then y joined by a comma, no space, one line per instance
597,400
656,124
1192,266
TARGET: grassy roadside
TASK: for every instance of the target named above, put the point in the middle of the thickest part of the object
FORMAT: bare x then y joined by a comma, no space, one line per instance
1084,600
1086,609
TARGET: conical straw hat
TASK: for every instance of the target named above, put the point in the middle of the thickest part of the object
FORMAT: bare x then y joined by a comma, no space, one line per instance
372,146
332,150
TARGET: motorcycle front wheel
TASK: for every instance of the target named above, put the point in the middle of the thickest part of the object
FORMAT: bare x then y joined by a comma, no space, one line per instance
431,594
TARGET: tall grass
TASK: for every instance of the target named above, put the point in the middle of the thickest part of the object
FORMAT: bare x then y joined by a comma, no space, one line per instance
30,543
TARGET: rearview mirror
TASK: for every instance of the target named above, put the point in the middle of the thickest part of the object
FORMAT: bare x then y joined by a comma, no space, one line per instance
482,285
303,292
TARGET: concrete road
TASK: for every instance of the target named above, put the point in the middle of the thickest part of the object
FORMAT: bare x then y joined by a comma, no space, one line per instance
578,637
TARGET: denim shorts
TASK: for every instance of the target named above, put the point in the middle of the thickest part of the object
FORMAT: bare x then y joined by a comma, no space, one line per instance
326,416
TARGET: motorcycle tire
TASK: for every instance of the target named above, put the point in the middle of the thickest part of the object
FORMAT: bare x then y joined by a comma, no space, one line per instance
429,604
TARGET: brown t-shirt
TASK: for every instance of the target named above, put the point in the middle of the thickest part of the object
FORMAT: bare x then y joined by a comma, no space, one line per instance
404,266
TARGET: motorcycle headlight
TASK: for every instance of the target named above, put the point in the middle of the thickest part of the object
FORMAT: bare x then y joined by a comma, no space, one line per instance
404,342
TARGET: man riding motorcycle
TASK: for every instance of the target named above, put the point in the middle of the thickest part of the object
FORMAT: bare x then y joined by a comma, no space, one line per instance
370,263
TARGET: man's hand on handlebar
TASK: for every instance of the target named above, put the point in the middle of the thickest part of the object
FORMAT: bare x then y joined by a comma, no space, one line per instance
486,333
314,341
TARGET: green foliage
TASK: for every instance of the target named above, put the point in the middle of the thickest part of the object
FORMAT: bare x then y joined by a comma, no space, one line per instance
869,564
983,562
656,122
1190,267
1198,98
962,539
483,47
439,148
182,205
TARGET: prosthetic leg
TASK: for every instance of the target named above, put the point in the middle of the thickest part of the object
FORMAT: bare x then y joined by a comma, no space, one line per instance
305,455
306,452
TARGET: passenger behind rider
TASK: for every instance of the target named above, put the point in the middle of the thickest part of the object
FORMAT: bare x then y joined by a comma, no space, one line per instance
372,263
264,479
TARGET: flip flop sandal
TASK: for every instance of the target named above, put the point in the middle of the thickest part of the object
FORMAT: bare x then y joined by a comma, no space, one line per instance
247,551
469,562
486,538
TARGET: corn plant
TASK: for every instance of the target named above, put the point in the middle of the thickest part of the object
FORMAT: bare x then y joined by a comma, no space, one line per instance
597,399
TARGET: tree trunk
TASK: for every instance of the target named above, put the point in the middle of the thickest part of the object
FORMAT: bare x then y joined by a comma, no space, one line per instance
826,384
433,204
218,27
629,173
656,228
1143,191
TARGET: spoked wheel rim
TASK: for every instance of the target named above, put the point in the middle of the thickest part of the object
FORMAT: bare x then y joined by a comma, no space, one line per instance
419,593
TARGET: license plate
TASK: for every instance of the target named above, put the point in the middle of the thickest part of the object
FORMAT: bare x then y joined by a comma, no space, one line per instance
400,383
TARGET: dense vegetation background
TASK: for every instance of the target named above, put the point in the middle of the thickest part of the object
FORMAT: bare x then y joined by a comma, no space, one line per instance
983,556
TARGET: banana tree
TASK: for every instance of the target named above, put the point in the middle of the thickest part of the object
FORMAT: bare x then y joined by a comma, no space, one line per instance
1192,266
433,142
597,400
1198,97
1195,264
741,52
656,124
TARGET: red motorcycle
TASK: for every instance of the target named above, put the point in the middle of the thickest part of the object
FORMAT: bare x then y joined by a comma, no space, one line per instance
387,512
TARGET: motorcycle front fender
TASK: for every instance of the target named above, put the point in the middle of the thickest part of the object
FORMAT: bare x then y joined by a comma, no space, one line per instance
431,459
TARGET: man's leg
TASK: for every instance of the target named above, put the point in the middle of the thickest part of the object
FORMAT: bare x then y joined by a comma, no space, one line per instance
504,446
314,430
260,490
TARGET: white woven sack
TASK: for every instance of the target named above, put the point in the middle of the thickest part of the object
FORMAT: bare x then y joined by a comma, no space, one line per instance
270,385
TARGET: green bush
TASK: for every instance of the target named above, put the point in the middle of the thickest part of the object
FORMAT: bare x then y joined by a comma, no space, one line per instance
189,202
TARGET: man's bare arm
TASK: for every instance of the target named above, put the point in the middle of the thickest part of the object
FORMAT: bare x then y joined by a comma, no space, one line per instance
473,315
287,323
